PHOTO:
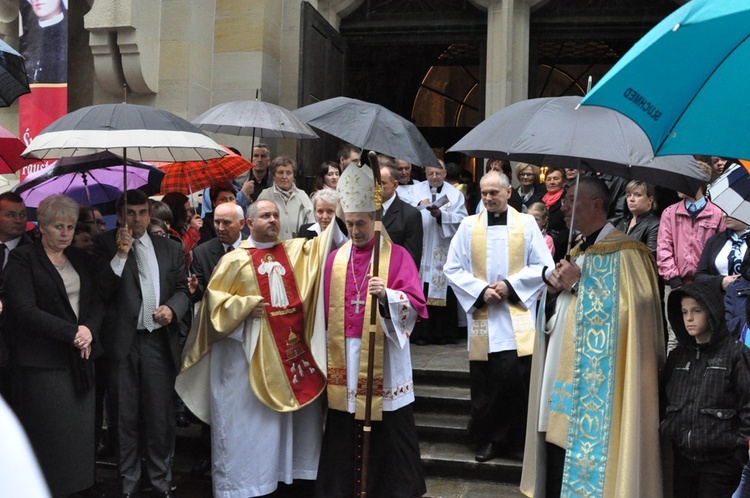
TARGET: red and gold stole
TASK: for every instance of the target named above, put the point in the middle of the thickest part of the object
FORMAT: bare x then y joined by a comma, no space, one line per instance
523,323
337,390
285,345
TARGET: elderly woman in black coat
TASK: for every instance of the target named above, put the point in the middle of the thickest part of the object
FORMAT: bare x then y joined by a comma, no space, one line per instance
54,317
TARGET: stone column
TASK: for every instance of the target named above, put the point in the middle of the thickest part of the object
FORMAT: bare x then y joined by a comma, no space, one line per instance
507,78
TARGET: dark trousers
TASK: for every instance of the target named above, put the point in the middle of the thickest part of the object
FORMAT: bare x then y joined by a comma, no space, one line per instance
441,326
143,386
499,399
712,479
555,468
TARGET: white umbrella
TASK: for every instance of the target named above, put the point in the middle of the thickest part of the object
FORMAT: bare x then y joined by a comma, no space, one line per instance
133,131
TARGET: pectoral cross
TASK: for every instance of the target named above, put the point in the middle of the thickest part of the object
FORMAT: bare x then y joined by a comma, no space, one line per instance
356,303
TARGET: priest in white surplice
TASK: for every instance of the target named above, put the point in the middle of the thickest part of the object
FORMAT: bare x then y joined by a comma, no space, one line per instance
395,467
254,362
439,225
495,265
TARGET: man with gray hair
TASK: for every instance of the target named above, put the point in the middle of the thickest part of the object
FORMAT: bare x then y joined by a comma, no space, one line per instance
593,425
494,265
443,207
260,314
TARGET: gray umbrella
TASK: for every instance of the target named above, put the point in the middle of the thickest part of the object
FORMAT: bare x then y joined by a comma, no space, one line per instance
369,126
253,117
556,132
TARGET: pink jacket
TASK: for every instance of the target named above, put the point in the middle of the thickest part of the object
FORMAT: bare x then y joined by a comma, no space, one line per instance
680,241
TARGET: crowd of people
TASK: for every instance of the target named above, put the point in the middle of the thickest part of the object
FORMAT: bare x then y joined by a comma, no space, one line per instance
606,338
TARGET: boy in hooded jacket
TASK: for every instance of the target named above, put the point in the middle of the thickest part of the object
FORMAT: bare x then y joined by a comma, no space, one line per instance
705,396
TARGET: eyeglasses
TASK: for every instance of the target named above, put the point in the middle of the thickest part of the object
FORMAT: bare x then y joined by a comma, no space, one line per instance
525,174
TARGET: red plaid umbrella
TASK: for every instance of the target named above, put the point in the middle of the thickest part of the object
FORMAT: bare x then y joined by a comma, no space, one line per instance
192,176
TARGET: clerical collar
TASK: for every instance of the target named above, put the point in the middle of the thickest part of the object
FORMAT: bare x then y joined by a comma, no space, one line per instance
437,189
50,22
497,219
262,245
589,240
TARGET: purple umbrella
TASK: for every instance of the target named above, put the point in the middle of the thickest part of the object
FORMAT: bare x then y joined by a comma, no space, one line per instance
89,180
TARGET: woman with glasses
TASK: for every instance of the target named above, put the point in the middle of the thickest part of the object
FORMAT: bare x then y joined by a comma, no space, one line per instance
295,208
529,189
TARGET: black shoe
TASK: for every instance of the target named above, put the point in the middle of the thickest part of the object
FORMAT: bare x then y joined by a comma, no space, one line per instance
201,467
485,452
164,494
182,420
420,342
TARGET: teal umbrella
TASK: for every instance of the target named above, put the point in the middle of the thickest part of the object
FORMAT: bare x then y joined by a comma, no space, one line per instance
685,83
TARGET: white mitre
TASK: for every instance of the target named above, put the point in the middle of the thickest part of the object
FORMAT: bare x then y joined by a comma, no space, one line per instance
356,189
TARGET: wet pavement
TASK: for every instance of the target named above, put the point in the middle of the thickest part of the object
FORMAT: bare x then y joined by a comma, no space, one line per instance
190,450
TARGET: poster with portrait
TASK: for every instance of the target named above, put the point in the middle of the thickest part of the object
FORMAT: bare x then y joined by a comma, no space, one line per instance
43,36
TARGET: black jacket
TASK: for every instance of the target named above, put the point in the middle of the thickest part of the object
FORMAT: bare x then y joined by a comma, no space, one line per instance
41,322
705,388
122,295
645,230
707,270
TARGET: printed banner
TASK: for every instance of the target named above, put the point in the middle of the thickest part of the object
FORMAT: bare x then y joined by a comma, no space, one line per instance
44,44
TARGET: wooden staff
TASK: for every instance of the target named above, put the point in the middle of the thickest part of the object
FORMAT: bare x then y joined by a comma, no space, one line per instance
367,426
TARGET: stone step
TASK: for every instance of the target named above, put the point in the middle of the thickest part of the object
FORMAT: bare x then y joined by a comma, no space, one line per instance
441,377
456,461
444,399
433,426
461,488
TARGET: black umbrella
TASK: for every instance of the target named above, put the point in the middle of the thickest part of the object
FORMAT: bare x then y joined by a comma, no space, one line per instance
556,132
369,126
13,79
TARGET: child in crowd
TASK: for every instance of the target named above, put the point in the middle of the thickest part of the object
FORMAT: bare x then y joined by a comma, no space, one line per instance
705,394
539,211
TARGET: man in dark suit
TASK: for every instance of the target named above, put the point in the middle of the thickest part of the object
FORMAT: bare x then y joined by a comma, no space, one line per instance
220,193
402,221
143,283
228,224
12,235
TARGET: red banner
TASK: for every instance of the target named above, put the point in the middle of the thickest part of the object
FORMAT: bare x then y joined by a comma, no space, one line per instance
44,45
284,314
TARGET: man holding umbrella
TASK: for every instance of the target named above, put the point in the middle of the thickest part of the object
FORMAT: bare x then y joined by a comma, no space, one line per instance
593,424
143,283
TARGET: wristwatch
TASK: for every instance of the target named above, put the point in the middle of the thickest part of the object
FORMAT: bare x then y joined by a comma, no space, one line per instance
574,288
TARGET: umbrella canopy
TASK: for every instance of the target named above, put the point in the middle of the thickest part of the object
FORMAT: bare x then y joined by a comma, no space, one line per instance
731,191
253,117
90,180
191,176
369,126
13,79
10,152
138,132
556,132
685,81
